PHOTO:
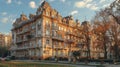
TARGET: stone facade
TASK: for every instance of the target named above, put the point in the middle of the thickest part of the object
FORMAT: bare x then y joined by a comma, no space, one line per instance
46,34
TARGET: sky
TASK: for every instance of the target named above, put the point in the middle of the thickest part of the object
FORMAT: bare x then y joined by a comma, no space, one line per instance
80,9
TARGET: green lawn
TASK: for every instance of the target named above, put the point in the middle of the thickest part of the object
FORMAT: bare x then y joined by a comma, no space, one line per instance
25,64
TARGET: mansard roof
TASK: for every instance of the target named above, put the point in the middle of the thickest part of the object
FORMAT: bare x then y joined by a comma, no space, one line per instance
33,17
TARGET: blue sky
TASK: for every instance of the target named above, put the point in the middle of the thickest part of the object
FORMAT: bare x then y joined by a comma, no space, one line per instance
11,9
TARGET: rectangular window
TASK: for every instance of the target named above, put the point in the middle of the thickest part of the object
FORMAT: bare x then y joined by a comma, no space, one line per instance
39,26
47,41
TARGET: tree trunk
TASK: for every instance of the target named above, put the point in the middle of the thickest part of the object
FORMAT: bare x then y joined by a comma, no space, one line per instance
116,51
88,47
105,51
105,45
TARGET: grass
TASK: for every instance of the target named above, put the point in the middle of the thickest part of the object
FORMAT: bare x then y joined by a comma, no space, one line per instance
26,64
100,66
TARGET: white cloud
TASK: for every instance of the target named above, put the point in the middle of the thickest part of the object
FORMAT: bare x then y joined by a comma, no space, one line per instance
4,20
8,19
32,4
101,1
4,13
88,1
86,4
93,7
80,4
106,5
63,1
74,12
51,0
83,3
9,1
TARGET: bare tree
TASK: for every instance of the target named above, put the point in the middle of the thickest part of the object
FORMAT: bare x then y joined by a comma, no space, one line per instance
113,13
114,10
85,32
101,27
114,32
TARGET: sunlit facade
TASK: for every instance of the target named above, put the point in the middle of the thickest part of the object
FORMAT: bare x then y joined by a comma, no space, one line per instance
48,34
2,39
5,40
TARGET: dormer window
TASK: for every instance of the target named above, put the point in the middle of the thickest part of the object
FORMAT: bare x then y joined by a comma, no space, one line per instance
39,13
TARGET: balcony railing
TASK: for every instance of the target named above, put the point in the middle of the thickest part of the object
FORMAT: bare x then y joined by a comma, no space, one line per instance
58,47
69,33
49,46
70,41
25,39
20,48
57,38
20,32
54,28
19,41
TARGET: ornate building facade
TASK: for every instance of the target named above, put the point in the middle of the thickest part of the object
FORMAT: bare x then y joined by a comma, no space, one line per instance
46,34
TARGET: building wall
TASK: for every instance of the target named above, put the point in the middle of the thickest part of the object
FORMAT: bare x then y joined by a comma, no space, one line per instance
5,39
2,39
47,34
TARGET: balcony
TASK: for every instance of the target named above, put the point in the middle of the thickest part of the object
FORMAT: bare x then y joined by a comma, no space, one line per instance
21,32
57,38
19,41
25,39
21,48
69,33
54,28
34,46
58,47
48,46
69,41
13,48
26,30
39,35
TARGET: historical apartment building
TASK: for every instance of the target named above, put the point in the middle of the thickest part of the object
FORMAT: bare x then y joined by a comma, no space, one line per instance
46,34
2,39
5,39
